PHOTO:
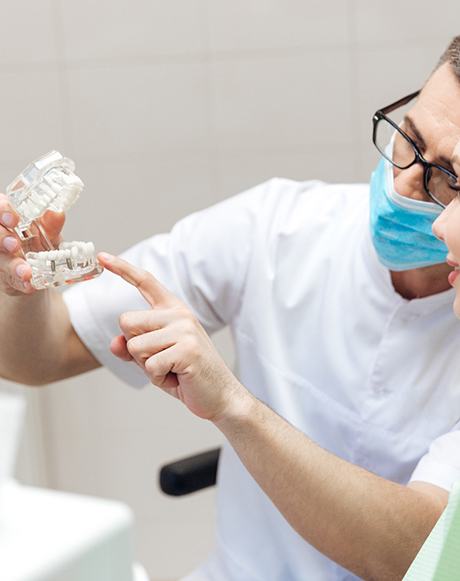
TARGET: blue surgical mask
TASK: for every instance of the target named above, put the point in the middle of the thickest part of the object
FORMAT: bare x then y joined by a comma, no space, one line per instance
400,226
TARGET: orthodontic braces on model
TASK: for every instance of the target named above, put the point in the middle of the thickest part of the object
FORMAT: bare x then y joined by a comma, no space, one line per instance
49,183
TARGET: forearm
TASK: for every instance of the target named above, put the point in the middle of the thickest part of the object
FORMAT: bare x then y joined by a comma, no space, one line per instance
33,337
369,525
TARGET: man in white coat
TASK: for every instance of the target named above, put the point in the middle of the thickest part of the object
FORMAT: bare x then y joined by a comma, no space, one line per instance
343,329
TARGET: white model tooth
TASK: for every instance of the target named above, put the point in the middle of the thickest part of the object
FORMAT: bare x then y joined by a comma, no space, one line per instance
31,209
67,252
48,191
41,205
72,180
89,249
54,183
35,198
74,252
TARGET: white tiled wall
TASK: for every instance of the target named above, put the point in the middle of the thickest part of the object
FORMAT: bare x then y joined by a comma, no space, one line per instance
168,107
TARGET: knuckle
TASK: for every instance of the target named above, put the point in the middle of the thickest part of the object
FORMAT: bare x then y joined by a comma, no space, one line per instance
191,346
124,320
5,203
151,366
133,345
188,321
181,312
143,278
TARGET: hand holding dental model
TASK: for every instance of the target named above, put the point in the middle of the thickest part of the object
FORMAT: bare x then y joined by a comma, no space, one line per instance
32,214
172,347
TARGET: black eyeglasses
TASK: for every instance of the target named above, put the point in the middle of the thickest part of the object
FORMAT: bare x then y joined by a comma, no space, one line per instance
439,183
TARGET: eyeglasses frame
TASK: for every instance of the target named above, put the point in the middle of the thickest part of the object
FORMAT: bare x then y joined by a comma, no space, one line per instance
427,171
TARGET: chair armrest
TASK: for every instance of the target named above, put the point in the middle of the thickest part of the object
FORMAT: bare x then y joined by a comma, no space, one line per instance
190,474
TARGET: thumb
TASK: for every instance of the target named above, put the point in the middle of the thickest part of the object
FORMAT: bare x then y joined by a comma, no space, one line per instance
118,348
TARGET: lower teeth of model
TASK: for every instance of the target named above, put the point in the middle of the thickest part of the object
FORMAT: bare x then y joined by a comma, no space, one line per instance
73,259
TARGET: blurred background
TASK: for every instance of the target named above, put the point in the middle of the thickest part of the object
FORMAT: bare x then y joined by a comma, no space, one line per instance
168,107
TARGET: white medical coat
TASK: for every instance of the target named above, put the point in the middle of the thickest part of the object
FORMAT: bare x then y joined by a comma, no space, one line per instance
320,335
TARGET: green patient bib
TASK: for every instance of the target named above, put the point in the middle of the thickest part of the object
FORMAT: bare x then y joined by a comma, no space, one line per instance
439,558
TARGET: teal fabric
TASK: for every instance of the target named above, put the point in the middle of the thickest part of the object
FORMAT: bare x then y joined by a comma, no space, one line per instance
439,558
401,227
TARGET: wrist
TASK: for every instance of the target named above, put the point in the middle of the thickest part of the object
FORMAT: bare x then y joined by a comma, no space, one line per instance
239,408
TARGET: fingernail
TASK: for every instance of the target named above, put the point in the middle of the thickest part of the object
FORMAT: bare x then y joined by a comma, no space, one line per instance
105,256
21,269
8,219
10,243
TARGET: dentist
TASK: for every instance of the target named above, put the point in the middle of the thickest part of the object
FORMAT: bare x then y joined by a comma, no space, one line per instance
345,331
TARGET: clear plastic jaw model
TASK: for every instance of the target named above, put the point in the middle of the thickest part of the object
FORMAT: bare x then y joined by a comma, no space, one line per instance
49,183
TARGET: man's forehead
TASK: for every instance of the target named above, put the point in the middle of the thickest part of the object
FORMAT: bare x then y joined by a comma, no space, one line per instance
436,114
440,98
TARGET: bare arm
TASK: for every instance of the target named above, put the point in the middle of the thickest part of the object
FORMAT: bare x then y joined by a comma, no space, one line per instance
38,342
367,524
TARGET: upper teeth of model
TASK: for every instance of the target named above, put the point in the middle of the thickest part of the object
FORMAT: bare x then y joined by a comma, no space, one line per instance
58,191
72,255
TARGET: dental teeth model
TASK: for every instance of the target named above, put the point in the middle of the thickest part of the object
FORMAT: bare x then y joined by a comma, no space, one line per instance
49,183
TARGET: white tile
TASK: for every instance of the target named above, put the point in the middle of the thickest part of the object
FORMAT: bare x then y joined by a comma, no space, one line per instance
119,465
237,172
30,116
173,547
138,29
367,160
382,75
100,403
281,103
127,200
90,458
404,22
127,110
276,24
27,32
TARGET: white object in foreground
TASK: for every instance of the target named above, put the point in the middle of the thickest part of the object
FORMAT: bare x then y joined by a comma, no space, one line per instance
55,536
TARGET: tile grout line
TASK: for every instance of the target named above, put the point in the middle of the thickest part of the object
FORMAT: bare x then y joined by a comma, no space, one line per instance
66,132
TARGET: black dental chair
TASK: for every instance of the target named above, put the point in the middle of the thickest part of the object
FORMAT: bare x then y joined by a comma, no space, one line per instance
190,474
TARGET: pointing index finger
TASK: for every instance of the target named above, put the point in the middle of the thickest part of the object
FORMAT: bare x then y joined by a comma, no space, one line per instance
153,292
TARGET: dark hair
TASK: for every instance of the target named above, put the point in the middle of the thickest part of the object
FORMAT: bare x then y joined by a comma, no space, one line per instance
452,56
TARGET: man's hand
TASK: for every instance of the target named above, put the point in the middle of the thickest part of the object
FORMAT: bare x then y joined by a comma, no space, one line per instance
172,347
15,273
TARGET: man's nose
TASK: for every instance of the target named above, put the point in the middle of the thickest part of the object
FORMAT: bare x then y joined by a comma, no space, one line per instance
409,183
439,225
